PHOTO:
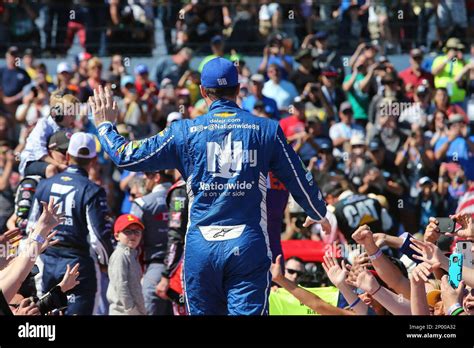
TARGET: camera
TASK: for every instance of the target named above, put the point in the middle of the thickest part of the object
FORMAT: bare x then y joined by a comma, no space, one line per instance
54,300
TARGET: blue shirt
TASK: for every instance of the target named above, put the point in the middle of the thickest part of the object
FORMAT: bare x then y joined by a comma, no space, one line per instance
279,61
270,105
458,150
13,80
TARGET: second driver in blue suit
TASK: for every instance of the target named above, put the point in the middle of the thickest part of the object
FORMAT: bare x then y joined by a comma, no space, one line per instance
224,157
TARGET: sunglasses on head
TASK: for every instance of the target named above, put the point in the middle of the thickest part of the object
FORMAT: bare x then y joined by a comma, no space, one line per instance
294,271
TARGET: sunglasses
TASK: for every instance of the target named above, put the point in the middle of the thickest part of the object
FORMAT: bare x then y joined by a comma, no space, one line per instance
294,271
130,232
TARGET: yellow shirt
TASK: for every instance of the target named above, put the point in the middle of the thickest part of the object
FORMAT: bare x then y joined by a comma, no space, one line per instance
445,78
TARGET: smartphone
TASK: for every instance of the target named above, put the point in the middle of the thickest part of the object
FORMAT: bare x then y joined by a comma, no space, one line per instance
455,269
465,248
446,225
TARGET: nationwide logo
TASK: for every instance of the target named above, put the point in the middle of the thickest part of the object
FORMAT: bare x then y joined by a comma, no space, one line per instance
225,160
215,186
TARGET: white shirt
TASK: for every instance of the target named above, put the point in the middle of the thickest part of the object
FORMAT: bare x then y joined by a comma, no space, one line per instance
283,93
342,130
37,142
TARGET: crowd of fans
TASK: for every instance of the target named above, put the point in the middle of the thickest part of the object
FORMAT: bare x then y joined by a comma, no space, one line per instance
392,150
107,26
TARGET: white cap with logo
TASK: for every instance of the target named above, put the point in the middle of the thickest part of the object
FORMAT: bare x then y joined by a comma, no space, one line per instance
80,141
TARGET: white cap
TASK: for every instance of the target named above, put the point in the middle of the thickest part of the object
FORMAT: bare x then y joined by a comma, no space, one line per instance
64,67
174,116
357,139
81,141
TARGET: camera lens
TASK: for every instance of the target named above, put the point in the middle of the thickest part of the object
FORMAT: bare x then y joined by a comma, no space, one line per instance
455,259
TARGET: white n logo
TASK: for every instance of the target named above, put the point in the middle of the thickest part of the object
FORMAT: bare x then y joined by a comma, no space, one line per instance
224,160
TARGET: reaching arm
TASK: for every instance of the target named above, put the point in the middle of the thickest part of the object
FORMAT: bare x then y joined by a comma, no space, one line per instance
418,301
304,296
386,270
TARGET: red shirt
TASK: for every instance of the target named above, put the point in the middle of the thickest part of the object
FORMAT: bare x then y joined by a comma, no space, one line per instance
409,77
292,125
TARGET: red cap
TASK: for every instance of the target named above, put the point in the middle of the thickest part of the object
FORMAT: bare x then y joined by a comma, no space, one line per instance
123,221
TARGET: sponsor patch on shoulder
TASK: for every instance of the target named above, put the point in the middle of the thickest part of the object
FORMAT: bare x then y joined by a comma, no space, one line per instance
225,114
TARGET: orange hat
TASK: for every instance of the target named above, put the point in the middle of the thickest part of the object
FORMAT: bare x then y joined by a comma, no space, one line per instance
123,221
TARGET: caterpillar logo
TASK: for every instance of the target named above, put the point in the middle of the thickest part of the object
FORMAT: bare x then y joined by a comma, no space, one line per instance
225,114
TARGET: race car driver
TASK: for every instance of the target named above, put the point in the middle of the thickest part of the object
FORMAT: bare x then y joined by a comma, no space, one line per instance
224,157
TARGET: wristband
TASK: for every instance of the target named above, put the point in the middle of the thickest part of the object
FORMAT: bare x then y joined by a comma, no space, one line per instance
457,311
455,307
354,303
376,255
38,238
372,294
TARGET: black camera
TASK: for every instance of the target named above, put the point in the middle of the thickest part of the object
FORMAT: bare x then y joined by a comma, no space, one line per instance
54,300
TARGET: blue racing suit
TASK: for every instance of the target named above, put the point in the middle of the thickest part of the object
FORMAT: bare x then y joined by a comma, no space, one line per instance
224,157
87,226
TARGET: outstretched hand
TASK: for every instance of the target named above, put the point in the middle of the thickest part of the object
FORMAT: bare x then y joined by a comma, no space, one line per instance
429,252
69,280
104,108
50,218
467,226
325,225
336,274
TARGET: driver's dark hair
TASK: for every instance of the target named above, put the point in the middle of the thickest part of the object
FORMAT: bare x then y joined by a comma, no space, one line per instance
224,92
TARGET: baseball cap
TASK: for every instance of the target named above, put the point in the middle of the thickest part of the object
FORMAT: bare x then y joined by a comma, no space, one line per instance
83,56
345,106
302,53
422,89
357,139
375,144
219,73
332,188
141,69
216,39
321,35
64,67
80,141
174,116
259,78
433,297
453,42
125,220
455,118
425,181
324,144
330,71
59,141
416,52
14,51
127,79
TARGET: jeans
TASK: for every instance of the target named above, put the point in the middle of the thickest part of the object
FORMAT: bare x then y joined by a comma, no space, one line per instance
154,305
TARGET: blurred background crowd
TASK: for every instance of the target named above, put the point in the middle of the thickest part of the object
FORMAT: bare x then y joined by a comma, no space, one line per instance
389,147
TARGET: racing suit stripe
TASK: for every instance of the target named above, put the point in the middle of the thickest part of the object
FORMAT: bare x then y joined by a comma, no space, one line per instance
262,185
296,175
151,154
95,241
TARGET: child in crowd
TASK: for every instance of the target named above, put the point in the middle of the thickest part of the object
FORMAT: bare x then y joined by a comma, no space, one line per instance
124,292
35,160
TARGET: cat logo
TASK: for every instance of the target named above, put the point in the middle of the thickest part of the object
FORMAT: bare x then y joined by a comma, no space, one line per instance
225,114
66,178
